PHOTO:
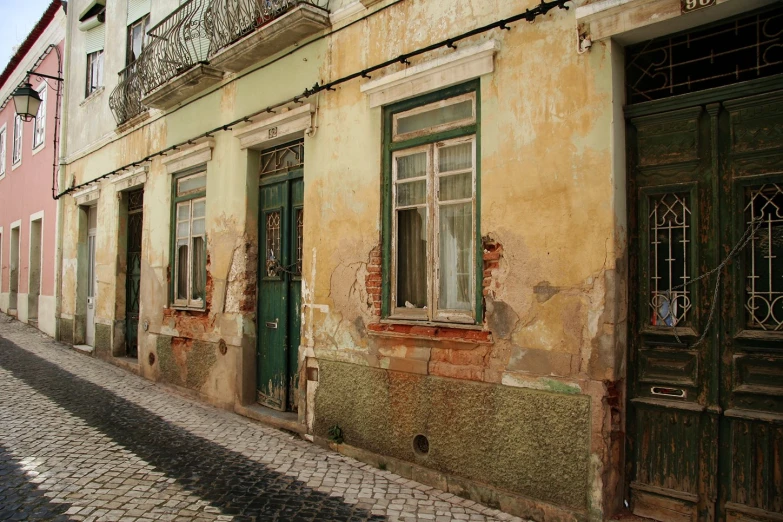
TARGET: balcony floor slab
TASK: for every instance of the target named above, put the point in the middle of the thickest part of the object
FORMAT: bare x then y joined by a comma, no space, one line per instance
281,33
182,87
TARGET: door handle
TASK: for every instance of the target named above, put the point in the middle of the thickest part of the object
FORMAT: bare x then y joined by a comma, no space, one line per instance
272,324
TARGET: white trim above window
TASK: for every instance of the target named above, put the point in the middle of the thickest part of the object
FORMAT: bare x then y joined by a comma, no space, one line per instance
276,129
191,157
457,67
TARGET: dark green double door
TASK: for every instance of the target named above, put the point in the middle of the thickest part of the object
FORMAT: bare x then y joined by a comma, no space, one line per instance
281,221
705,421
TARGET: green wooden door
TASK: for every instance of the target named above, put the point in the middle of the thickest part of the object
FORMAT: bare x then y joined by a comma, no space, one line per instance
705,417
279,289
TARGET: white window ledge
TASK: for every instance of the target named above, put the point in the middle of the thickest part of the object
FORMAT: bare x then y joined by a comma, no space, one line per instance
460,66
276,129
88,195
191,157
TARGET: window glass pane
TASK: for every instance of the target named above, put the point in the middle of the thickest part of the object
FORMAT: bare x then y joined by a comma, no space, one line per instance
413,166
456,157
199,272
191,184
437,116
183,229
272,243
456,259
182,269
413,193
412,258
183,211
198,227
199,208
458,186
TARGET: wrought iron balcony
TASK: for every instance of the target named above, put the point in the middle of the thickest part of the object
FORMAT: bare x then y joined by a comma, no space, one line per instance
125,100
182,47
228,21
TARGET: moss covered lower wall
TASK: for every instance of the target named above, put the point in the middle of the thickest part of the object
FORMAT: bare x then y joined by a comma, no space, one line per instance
529,442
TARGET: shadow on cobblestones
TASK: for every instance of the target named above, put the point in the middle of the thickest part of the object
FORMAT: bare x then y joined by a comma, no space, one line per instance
228,480
22,500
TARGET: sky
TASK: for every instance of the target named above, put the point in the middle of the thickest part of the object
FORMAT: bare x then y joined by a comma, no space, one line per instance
17,18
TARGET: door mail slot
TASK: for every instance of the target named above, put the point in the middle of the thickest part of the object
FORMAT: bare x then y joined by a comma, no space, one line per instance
272,324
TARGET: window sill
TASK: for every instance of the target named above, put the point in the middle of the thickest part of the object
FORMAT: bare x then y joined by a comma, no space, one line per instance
469,334
94,94
181,308
16,165
39,148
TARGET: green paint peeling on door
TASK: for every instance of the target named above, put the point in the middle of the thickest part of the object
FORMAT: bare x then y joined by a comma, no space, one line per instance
281,219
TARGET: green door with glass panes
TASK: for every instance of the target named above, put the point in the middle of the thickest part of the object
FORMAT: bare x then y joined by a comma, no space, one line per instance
279,289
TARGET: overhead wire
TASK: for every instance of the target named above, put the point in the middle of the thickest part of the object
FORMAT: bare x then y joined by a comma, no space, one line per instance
528,15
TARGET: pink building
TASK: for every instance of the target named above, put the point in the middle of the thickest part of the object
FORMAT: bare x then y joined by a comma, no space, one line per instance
28,161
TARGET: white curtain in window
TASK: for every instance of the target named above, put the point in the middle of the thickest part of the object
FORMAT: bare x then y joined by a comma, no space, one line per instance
455,225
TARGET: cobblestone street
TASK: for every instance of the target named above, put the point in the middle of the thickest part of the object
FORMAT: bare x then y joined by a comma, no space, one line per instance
83,440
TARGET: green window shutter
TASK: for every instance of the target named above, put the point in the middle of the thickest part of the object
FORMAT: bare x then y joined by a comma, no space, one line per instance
94,39
137,9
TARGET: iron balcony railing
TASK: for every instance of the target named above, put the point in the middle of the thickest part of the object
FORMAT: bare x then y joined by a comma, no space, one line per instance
125,100
191,34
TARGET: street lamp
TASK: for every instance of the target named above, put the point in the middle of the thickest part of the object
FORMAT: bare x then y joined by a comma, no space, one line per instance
26,101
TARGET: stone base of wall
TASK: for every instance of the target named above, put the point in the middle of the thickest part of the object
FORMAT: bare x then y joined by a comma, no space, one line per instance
65,330
103,344
532,444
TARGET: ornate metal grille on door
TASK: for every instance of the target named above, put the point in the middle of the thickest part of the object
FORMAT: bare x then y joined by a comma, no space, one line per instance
764,259
133,274
670,221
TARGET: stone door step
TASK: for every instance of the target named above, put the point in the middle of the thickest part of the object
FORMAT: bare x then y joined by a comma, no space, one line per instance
84,348
277,419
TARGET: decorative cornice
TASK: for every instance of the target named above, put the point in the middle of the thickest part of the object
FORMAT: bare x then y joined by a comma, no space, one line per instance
462,65
88,195
131,180
190,157
347,11
276,129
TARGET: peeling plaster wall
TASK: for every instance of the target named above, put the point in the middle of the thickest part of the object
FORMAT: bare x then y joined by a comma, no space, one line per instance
555,296
552,217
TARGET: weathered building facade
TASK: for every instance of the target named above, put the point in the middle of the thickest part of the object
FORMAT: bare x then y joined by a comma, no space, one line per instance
28,170
426,230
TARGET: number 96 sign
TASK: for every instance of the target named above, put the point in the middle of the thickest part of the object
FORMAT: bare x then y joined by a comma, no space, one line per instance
692,5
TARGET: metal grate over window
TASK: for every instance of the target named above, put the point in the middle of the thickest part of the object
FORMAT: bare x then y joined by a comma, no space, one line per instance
283,158
670,222
764,259
747,48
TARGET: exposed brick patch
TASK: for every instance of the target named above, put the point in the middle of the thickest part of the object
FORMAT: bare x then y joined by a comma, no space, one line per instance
443,333
373,280
194,323
493,253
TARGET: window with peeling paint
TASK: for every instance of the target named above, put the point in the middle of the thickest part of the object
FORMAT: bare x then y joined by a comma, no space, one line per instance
189,256
431,247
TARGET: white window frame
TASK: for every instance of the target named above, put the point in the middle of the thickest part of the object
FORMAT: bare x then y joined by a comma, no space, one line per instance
89,88
39,127
433,206
188,302
16,149
3,134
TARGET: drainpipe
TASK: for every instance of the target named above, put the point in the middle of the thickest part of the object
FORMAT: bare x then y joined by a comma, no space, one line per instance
58,263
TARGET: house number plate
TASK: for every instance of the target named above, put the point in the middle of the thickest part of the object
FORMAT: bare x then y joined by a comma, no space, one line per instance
686,6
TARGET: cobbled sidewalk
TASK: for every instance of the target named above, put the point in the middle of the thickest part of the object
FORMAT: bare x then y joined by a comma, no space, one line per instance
83,440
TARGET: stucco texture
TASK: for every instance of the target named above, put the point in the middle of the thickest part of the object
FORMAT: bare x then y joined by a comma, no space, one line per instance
531,442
